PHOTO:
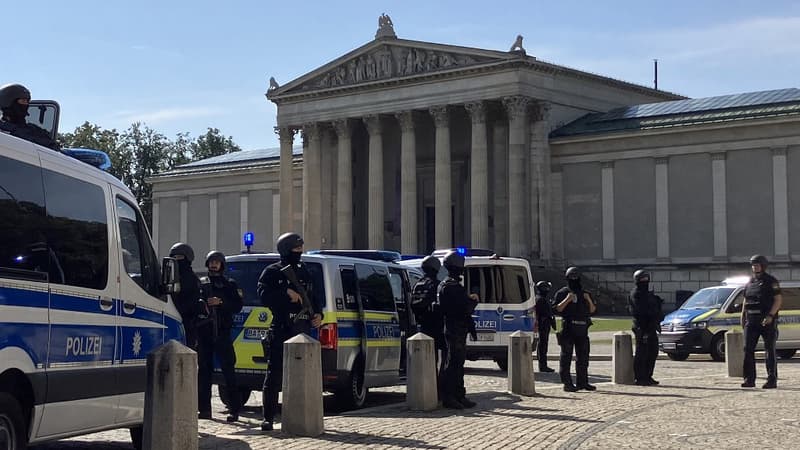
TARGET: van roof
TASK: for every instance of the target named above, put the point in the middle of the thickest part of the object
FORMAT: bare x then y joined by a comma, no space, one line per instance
243,257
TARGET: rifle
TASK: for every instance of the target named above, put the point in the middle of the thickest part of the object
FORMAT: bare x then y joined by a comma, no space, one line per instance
290,274
213,316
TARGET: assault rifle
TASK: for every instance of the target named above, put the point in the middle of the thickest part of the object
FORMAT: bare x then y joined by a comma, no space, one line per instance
308,308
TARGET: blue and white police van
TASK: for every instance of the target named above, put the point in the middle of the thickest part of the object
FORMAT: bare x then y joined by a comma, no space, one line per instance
506,303
82,298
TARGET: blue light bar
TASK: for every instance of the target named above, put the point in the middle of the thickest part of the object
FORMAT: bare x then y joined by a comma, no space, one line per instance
461,250
94,158
249,239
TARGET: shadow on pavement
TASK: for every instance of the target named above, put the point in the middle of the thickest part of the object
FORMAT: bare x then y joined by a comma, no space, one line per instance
640,394
211,441
353,437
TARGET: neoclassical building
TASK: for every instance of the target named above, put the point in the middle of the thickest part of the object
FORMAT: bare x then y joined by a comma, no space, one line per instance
412,146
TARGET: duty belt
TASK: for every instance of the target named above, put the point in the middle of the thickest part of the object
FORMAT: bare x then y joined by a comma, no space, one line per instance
579,322
754,311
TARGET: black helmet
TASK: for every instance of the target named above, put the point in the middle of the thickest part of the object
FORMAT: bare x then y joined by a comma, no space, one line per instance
573,273
431,265
219,256
454,260
639,274
543,287
10,93
286,242
179,248
759,259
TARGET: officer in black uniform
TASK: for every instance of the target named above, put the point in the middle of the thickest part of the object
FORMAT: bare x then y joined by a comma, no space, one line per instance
220,300
762,301
425,305
457,307
14,99
281,296
645,308
186,299
575,306
544,322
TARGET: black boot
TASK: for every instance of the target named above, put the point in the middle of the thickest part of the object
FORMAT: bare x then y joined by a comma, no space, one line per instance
467,402
570,388
546,369
770,384
266,425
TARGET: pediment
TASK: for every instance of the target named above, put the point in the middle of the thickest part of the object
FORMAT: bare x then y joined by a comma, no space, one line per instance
383,60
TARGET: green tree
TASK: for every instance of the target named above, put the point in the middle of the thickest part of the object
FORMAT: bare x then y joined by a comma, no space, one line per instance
91,136
149,151
213,143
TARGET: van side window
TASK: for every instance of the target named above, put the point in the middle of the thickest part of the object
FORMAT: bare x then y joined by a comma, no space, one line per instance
481,280
349,288
138,258
374,288
77,231
23,249
736,305
514,284
791,298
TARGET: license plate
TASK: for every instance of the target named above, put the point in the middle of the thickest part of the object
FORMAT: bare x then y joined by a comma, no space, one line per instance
482,337
255,333
668,345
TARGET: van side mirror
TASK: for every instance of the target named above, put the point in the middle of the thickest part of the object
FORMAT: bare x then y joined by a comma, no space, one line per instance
169,276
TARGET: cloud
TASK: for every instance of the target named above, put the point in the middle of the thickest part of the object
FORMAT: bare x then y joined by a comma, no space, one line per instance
167,114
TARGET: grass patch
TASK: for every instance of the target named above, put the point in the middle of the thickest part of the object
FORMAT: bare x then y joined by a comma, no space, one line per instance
610,325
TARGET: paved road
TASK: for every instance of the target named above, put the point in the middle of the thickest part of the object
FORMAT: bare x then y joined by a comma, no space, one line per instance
696,405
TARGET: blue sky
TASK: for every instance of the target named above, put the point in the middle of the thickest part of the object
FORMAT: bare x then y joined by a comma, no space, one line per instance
188,65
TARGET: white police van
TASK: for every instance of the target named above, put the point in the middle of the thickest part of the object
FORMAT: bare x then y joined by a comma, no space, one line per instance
81,301
506,303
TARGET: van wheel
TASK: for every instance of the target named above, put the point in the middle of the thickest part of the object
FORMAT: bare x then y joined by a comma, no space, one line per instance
678,356
786,353
502,363
137,436
354,395
244,396
718,348
13,435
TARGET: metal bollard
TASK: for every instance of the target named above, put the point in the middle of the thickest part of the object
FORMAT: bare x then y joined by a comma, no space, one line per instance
301,414
734,353
622,359
170,399
421,391
520,364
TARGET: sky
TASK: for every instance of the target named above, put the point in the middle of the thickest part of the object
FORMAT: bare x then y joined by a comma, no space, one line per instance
185,66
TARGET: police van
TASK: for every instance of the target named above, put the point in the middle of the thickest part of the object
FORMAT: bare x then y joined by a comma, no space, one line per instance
506,303
81,298
700,324
366,321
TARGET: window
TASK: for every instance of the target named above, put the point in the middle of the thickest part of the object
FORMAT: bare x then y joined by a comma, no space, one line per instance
374,288
247,273
791,298
712,297
138,258
23,250
514,284
498,284
77,231
736,305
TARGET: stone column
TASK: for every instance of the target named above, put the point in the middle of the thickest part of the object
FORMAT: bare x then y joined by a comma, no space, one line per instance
662,209
286,136
479,176
408,183
518,228
557,209
327,180
442,174
212,222
375,183
780,202
156,225
607,177
719,195
312,194
344,184
500,155
184,224
541,240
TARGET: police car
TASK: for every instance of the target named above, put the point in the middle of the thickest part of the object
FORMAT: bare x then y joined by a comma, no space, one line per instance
506,303
81,298
366,298
700,324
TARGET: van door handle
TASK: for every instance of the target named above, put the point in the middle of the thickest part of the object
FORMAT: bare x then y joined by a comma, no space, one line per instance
508,317
129,307
106,303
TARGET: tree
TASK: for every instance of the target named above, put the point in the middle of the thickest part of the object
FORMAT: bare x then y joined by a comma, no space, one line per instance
149,151
213,143
94,137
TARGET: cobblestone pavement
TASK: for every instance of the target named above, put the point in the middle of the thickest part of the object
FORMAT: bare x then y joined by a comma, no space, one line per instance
696,405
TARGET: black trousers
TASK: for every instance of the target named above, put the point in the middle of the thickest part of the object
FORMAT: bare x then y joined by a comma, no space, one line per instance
644,358
541,346
222,347
753,331
453,379
273,382
580,345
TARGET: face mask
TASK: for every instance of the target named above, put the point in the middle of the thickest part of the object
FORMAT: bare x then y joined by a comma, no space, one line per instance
293,258
642,285
17,113
455,272
574,285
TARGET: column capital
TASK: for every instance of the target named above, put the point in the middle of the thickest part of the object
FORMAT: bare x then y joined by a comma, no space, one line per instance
477,111
608,164
312,132
662,160
540,111
406,120
286,134
441,115
373,123
342,127
516,106
718,156
778,151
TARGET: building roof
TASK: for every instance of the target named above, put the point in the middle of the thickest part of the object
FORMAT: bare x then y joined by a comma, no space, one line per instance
725,108
236,160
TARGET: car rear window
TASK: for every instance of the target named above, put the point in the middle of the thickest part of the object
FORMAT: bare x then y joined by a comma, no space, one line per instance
246,274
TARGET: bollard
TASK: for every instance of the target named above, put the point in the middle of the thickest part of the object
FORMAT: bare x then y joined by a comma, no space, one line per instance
421,391
622,359
170,399
520,364
301,414
734,353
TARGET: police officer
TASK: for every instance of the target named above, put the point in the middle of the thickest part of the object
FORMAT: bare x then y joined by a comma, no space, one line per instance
544,322
575,306
186,299
762,301
645,308
282,297
457,307
14,99
220,300
425,305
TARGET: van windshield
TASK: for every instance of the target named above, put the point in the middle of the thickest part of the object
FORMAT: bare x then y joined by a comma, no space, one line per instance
246,274
708,298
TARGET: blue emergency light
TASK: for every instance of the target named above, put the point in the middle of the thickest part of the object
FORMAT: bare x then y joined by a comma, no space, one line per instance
249,239
461,250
